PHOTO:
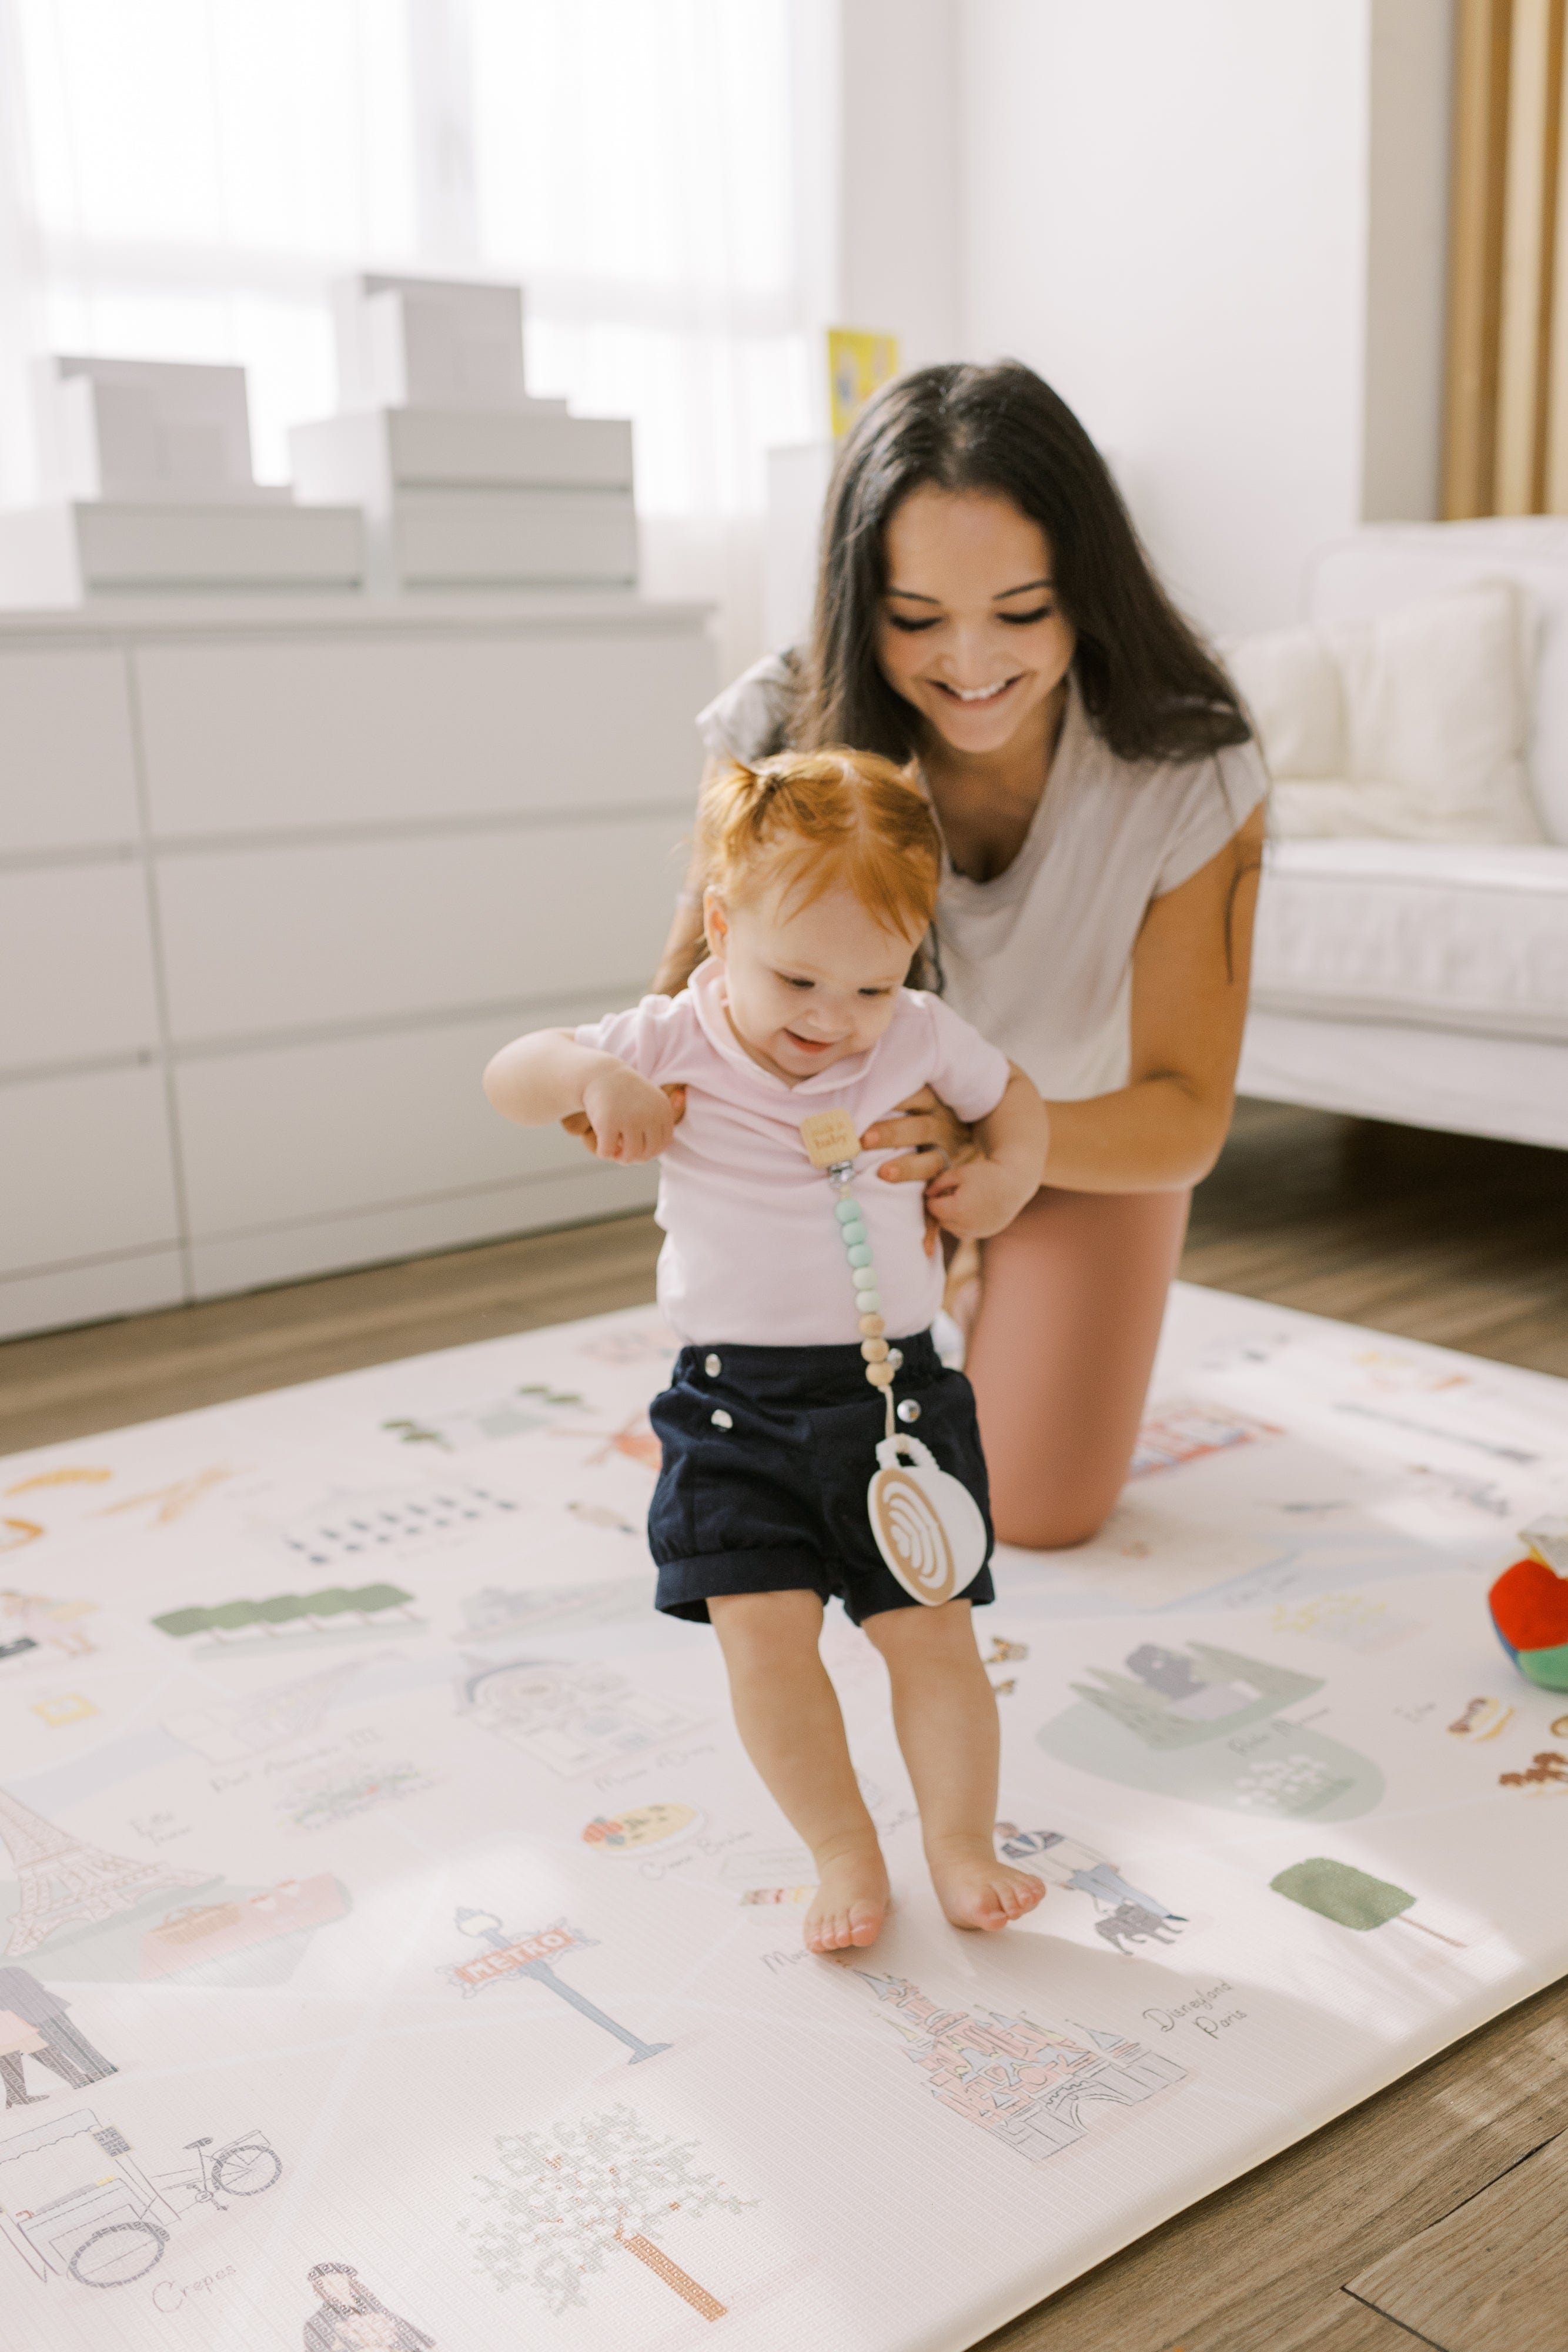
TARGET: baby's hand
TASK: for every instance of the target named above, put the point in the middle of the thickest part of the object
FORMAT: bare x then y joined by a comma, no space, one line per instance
978,1199
630,1118
577,1123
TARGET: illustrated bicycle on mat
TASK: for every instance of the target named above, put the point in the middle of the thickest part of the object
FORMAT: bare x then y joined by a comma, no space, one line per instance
64,2212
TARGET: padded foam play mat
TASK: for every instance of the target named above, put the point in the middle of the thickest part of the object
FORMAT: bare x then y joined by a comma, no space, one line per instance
397,1949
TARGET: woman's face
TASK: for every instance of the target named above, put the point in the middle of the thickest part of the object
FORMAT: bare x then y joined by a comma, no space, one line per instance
969,631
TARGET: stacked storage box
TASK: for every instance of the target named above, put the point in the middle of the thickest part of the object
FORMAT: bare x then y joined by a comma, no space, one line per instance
466,482
148,486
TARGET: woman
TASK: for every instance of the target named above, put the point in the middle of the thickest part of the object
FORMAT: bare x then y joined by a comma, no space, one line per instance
985,608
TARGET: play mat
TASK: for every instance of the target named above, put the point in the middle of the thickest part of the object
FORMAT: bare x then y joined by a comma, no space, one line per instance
396,1948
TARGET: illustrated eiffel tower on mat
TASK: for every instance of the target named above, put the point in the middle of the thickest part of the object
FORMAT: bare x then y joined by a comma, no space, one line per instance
64,1882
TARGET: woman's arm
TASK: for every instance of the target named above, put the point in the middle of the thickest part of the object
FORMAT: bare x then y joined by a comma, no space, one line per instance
686,946
1163,1131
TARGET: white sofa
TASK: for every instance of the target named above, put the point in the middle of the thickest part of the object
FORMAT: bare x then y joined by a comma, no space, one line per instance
1418,980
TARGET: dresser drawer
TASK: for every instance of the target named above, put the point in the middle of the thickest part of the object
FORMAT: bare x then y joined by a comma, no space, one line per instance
274,1137
66,749
86,1172
247,738
135,1284
446,1221
271,940
76,965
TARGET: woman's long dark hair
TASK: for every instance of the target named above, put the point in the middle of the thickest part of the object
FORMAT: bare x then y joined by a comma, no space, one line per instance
1149,685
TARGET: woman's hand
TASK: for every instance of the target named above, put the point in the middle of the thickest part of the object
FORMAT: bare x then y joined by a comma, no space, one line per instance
931,1139
928,1133
985,1193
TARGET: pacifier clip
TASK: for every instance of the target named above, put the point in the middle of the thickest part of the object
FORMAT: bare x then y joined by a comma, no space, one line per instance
927,1525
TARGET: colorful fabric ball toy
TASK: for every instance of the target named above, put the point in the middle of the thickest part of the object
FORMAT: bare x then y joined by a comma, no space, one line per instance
1530,1606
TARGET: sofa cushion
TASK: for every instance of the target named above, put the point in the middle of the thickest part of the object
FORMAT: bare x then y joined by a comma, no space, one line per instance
1392,563
1444,936
1408,725
1292,684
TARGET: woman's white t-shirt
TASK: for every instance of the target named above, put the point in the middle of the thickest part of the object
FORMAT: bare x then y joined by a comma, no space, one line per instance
1040,959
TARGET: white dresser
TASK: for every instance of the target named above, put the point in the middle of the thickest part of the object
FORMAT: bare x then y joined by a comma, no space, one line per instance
275,880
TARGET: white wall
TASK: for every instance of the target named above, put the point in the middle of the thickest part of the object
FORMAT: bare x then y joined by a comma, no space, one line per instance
880,212
1167,211
878,198
899,210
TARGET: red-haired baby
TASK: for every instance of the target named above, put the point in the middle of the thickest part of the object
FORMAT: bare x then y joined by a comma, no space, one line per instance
814,1443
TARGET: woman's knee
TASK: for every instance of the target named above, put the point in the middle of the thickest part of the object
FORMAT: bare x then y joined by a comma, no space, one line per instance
1036,1519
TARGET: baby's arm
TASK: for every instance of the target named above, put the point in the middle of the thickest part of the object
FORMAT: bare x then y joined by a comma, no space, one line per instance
983,1195
547,1075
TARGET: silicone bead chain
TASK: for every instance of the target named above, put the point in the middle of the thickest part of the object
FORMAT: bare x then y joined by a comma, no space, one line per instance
882,1362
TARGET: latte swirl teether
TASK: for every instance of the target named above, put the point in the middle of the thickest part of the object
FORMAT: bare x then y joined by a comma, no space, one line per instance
927,1525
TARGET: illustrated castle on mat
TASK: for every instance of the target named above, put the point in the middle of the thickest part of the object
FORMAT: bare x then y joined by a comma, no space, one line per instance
1033,2089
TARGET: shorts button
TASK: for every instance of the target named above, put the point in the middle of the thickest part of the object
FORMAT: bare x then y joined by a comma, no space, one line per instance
713,1366
909,1409
722,1420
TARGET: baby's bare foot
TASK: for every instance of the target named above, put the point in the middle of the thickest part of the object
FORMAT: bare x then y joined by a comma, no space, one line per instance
976,1890
850,1902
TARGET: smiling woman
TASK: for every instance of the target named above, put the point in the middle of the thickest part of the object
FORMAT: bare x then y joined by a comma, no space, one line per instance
984,667
984,611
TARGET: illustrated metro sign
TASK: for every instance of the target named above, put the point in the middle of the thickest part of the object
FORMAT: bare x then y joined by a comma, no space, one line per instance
503,1961
531,1957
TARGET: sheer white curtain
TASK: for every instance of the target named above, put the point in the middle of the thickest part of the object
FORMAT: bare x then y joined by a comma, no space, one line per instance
185,176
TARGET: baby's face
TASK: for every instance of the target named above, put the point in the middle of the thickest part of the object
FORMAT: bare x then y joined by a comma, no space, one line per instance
806,986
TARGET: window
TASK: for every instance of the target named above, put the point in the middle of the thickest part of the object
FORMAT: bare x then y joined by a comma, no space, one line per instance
191,174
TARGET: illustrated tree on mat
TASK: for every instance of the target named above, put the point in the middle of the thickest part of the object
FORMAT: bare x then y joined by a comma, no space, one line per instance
570,2196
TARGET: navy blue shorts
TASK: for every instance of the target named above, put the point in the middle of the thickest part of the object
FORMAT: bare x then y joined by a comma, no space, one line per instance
773,1497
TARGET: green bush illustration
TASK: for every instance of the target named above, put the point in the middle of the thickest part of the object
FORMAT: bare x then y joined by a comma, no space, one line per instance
282,1609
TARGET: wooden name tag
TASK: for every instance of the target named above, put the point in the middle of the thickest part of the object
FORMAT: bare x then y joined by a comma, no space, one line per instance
829,1138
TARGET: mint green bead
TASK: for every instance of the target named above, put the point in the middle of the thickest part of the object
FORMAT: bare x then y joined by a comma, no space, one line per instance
846,1210
851,1235
859,1255
863,1278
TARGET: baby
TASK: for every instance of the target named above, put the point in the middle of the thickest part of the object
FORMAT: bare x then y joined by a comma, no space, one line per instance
786,1267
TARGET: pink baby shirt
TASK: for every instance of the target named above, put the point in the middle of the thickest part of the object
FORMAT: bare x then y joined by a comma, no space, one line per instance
751,1253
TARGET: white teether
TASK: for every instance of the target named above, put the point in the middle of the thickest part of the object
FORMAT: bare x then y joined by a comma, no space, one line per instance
927,1525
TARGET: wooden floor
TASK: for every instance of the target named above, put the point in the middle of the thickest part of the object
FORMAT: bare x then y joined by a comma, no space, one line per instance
1436,2214
1440,1237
